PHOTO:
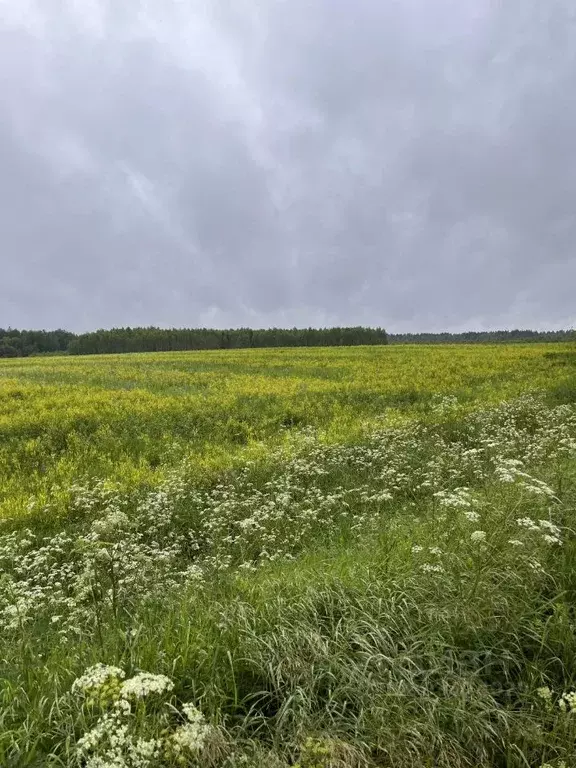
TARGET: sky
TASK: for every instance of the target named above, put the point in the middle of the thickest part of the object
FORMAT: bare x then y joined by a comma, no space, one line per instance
409,164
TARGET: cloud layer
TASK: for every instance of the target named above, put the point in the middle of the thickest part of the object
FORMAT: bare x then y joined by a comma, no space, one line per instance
409,163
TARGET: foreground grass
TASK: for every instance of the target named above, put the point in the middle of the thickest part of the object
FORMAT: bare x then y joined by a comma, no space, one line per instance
404,600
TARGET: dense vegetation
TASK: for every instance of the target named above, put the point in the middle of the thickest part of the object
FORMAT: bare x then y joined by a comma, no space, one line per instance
14,343
24,343
125,417
158,340
482,337
322,558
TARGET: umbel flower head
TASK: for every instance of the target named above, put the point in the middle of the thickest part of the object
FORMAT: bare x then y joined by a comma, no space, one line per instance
145,683
97,676
100,684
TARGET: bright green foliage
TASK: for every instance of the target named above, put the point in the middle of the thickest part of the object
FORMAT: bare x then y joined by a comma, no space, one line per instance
377,581
128,417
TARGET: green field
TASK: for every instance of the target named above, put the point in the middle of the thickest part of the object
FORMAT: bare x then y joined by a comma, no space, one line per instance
322,558
66,420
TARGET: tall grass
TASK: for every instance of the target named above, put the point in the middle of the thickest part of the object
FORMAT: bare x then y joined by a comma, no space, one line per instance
403,599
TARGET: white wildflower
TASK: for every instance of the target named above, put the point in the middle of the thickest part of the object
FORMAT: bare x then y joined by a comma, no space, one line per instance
192,713
95,677
122,707
431,568
458,498
544,693
568,700
527,522
100,762
191,736
478,536
548,526
194,574
508,471
145,683
142,751
114,521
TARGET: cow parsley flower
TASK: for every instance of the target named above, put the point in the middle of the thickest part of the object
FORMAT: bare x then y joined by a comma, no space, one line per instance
192,736
527,522
544,693
478,536
96,677
431,568
142,751
145,683
568,701
192,713
458,498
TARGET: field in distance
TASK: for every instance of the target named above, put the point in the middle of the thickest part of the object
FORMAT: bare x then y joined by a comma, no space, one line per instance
126,417
289,558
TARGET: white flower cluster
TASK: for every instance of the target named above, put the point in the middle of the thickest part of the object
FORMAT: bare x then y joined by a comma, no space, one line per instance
459,498
551,533
143,684
432,568
97,676
190,737
111,744
567,702
60,576
133,549
508,471
120,739
527,522
544,693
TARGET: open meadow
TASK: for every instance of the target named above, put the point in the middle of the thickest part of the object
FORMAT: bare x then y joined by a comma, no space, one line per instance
341,557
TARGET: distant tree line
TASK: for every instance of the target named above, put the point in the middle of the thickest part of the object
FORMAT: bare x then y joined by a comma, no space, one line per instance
176,339
481,337
23,343
14,343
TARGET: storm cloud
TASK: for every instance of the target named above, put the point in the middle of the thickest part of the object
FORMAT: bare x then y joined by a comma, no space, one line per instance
405,163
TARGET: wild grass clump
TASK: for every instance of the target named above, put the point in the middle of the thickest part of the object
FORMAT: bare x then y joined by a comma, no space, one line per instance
403,600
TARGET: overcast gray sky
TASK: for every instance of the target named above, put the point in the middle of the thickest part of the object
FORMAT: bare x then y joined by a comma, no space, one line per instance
405,163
